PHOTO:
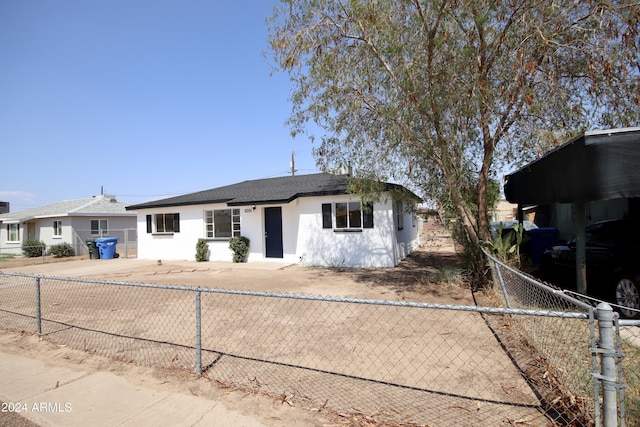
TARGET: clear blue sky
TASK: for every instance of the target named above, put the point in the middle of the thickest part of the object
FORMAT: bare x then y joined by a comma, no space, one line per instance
148,98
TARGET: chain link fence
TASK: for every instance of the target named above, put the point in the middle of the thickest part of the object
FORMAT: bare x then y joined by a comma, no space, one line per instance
127,245
628,346
385,361
569,350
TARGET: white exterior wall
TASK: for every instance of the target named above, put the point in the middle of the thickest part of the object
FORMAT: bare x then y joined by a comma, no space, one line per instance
173,246
372,247
7,247
407,239
303,238
182,245
44,231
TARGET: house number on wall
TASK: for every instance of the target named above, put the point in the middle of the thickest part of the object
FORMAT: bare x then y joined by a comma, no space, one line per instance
248,210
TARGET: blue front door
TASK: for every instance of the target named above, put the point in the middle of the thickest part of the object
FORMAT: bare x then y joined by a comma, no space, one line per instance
273,232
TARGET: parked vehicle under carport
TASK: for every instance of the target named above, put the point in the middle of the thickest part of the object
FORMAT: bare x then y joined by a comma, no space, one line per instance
612,261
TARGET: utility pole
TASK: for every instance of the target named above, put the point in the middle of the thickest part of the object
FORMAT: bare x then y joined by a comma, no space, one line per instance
293,163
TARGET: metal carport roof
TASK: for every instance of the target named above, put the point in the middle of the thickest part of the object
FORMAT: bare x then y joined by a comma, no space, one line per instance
597,165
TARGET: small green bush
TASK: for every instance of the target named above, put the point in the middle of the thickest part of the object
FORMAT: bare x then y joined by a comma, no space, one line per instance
202,250
62,250
506,244
240,247
33,248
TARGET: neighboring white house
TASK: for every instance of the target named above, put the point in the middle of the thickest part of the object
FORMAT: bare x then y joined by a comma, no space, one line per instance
307,219
71,221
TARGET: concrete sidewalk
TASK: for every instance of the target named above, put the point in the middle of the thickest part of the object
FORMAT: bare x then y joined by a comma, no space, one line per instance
60,396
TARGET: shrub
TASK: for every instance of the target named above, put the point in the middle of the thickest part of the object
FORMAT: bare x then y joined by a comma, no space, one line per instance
506,244
240,247
33,248
202,250
62,250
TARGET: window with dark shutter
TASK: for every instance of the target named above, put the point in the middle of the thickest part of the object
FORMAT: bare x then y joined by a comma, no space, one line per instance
367,215
149,224
176,222
326,215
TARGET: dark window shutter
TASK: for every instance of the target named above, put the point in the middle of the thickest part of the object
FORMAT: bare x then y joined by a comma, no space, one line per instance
149,224
367,215
176,222
326,215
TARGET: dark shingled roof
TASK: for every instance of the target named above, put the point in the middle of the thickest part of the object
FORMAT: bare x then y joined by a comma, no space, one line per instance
262,191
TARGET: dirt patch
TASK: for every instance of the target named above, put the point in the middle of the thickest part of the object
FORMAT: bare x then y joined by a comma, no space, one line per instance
430,274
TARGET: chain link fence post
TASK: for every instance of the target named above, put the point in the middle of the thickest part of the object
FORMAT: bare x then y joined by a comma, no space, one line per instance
38,305
607,351
198,334
126,243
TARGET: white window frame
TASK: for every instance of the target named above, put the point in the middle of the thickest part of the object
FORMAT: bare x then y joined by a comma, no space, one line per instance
210,230
161,224
166,223
13,232
102,229
57,228
350,219
353,216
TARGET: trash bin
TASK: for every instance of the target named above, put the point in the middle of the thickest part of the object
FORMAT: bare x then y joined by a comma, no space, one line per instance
541,239
94,253
107,247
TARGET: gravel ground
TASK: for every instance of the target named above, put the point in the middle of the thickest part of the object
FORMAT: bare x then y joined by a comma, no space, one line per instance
13,419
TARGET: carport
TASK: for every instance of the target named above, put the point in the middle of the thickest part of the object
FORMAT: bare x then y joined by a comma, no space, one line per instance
597,165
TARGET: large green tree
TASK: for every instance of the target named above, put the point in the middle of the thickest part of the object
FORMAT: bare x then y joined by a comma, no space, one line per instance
440,92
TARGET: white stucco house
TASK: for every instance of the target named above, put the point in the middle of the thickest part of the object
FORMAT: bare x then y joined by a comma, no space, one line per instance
70,221
307,219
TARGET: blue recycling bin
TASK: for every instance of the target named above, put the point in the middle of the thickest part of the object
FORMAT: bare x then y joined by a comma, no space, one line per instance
107,247
541,239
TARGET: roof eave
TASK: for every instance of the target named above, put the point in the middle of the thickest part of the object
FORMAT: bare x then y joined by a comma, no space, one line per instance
100,214
169,205
262,202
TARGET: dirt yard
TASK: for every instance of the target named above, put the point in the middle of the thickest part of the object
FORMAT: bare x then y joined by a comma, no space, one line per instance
429,275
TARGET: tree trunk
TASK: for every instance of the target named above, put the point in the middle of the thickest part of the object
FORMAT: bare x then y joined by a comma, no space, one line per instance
465,215
483,180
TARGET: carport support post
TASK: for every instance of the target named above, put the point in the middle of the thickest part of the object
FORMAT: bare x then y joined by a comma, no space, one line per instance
581,265
607,352
520,215
198,335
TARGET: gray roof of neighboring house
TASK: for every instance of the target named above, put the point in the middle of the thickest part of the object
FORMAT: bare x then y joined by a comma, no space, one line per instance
95,206
264,191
